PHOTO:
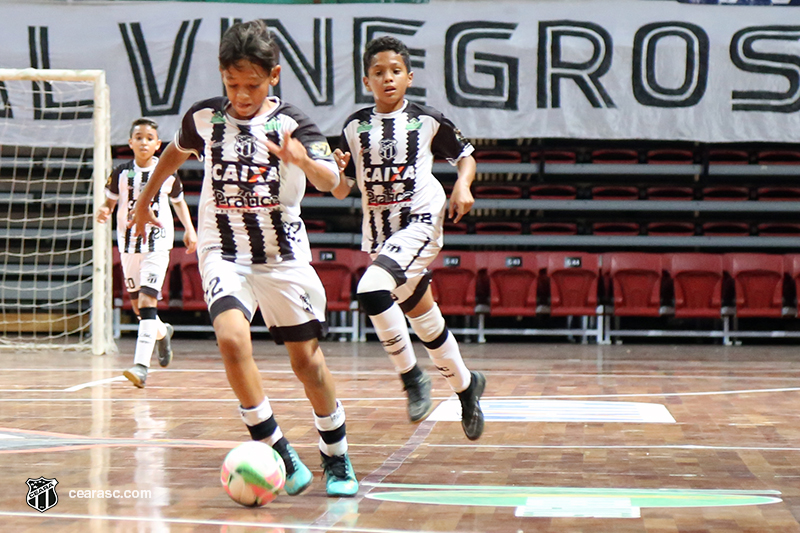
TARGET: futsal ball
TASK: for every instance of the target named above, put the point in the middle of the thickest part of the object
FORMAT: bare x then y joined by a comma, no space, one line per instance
253,473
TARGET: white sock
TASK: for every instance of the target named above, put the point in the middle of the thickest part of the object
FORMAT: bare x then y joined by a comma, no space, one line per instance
328,425
448,361
442,348
393,333
145,342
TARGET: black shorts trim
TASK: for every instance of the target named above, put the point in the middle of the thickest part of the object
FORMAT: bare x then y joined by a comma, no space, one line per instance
133,295
392,267
313,329
224,304
412,301
149,291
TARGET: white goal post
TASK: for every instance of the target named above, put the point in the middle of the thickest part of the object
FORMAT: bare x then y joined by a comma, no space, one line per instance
55,156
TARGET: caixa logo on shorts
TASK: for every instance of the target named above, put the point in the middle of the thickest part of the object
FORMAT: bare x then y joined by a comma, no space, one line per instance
42,493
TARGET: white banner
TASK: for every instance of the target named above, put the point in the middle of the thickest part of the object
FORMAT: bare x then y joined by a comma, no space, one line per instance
499,69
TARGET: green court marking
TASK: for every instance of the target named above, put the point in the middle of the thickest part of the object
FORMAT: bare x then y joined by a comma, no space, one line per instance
538,497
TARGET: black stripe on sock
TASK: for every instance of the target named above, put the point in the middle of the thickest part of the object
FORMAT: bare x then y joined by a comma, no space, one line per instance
438,341
263,430
333,436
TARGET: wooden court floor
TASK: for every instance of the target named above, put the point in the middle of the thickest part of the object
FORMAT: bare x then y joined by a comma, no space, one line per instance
627,438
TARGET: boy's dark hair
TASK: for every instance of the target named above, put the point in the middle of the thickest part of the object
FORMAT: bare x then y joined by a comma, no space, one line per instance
143,122
251,41
382,44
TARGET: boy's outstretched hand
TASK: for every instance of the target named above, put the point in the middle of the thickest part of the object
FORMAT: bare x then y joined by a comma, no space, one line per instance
341,158
103,213
292,150
190,240
461,201
141,216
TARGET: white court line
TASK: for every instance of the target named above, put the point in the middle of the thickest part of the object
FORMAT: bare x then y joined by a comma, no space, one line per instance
438,398
612,447
165,520
93,383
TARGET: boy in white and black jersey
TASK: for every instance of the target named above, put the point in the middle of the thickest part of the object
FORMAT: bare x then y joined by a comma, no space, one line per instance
253,249
145,258
394,143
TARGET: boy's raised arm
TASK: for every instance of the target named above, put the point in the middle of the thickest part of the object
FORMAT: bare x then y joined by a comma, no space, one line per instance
169,162
341,191
189,234
461,200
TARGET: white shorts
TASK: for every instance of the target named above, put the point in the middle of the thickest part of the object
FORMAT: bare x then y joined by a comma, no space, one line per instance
406,256
290,295
145,272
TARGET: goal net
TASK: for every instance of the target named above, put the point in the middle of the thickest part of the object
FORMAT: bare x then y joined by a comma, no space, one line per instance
55,260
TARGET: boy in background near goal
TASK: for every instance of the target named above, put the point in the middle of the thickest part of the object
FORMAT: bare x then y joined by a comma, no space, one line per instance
394,143
253,248
145,257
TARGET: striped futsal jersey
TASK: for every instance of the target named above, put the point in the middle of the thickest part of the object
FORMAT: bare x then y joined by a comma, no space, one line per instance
124,185
392,159
250,203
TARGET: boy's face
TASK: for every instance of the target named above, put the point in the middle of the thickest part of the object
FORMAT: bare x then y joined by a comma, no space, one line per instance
144,142
388,79
247,87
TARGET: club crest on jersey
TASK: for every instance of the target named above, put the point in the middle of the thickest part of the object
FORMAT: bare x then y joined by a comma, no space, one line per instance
388,149
245,145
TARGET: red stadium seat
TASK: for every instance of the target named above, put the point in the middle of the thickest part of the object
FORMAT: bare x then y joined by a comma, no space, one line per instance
496,156
557,157
513,283
670,193
615,156
452,228
574,280
500,228
671,229
192,296
552,192
726,193
615,228
778,229
778,157
758,281
554,228
315,226
670,156
615,192
335,268
454,277
778,194
728,157
792,268
497,191
697,280
726,229
635,283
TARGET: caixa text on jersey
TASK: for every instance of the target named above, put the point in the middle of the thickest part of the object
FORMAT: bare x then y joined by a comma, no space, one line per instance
238,172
